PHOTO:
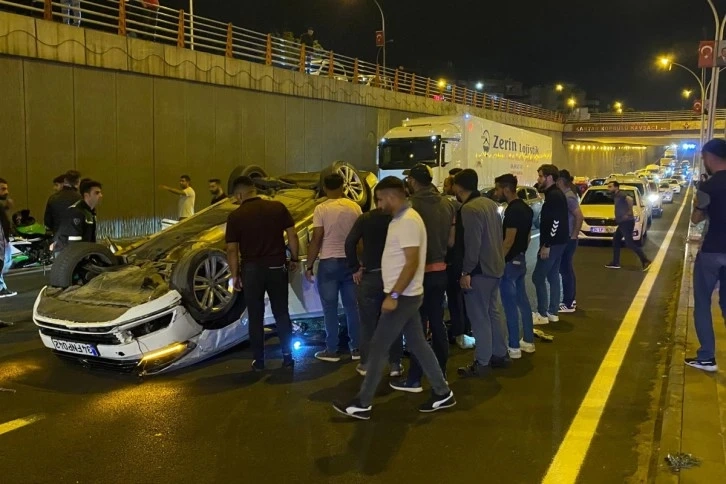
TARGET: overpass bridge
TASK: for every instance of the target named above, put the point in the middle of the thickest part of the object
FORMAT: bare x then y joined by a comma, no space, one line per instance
651,128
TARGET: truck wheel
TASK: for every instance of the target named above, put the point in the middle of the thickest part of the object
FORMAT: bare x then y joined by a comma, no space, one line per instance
79,263
252,171
202,278
355,187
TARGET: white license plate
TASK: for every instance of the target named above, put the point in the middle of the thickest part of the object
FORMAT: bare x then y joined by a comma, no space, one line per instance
73,347
602,230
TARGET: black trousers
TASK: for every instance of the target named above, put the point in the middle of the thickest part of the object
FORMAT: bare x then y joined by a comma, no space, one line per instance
459,321
258,280
432,313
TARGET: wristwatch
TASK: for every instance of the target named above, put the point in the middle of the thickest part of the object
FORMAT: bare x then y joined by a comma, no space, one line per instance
394,296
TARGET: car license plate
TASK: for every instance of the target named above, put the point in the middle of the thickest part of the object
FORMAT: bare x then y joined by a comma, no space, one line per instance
73,347
599,230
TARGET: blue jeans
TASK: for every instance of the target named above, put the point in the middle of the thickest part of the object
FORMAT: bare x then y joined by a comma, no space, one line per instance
516,302
708,269
567,271
334,278
548,270
7,262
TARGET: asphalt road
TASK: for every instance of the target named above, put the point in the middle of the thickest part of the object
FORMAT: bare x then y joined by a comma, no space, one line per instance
218,422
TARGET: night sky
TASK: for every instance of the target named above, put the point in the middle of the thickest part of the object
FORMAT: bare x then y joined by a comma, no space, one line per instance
608,48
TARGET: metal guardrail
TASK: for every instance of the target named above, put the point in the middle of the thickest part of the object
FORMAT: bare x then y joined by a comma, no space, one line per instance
166,25
641,117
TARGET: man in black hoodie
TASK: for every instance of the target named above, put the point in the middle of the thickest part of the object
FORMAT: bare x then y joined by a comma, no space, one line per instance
554,235
438,215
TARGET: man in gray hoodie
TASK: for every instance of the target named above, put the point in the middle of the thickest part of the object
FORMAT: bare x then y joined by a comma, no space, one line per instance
438,215
483,267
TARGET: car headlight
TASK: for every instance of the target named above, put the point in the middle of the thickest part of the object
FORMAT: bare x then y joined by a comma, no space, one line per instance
653,197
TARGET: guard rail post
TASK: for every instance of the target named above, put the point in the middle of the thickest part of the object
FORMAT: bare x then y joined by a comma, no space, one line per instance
377,81
395,81
331,60
48,10
355,71
180,30
453,94
302,58
474,99
428,87
413,84
268,49
122,17
228,48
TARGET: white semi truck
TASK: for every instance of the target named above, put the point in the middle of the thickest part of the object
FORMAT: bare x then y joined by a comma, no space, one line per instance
465,141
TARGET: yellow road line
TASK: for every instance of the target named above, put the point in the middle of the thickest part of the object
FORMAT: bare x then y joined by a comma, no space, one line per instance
566,465
20,422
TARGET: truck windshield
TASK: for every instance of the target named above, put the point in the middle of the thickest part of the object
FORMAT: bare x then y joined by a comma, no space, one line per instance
403,153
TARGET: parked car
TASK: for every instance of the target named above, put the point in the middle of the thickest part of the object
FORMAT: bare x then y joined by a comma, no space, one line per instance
598,209
166,301
597,182
529,194
675,186
666,193
643,190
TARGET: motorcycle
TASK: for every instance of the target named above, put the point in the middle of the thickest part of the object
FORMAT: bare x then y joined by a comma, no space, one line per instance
30,242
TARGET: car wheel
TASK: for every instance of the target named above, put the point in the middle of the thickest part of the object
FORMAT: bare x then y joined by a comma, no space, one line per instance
80,262
354,186
202,278
252,171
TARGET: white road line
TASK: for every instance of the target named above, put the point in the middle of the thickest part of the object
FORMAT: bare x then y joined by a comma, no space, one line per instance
20,422
567,463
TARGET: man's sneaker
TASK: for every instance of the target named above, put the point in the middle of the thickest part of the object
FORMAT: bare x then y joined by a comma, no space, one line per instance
361,370
552,318
438,402
396,370
705,365
406,386
465,342
612,265
526,347
5,292
325,355
538,319
499,362
258,365
355,355
514,353
473,370
646,265
288,361
564,308
353,409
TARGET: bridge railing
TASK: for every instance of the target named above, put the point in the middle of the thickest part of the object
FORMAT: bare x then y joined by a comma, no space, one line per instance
641,117
166,25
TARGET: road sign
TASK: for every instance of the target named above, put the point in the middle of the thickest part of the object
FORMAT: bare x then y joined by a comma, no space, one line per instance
380,38
697,106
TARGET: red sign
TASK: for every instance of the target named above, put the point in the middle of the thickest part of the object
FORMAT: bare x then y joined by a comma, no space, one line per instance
438,97
697,106
706,54
381,39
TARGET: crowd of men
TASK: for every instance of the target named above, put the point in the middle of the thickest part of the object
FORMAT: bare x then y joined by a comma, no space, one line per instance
393,268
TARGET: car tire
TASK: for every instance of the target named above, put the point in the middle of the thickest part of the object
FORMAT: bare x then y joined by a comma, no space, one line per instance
207,266
252,171
67,268
355,187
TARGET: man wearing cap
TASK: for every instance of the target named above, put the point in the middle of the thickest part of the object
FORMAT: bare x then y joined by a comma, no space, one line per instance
482,269
709,268
438,215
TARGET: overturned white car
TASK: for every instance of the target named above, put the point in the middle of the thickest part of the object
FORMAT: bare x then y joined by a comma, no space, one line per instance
165,302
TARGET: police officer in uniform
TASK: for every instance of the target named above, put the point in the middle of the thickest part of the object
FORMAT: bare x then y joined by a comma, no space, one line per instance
79,222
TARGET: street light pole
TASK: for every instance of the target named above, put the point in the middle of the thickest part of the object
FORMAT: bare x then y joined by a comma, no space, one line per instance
383,29
666,62
719,25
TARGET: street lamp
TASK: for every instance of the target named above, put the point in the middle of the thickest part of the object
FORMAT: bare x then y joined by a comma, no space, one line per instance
559,88
383,30
687,93
441,83
572,102
667,62
618,105
479,86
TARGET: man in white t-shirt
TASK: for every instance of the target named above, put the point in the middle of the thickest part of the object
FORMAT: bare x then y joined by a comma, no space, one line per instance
186,196
332,221
403,264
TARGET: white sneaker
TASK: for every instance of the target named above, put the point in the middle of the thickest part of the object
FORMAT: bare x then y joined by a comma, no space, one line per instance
526,347
567,309
514,353
553,318
538,319
465,342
